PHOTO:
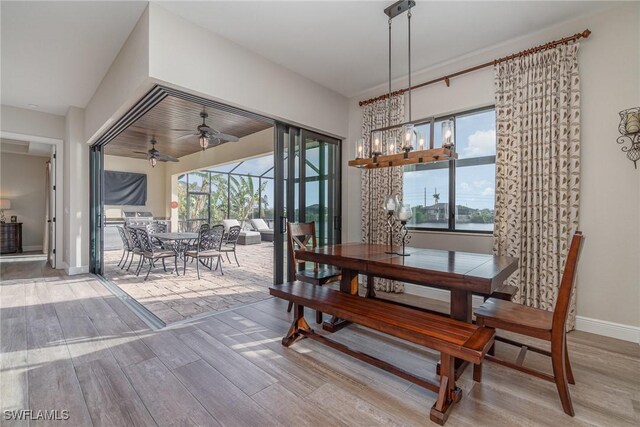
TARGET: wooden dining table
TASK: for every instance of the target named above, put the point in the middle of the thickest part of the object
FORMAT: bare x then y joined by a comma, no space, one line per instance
461,273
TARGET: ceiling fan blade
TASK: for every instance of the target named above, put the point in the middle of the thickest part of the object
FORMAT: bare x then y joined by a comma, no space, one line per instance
181,130
166,158
215,142
140,152
186,136
226,137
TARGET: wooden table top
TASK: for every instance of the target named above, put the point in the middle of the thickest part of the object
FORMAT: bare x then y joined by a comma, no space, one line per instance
481,273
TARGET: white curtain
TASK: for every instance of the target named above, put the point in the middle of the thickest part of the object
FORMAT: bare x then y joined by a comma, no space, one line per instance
538,169
377,183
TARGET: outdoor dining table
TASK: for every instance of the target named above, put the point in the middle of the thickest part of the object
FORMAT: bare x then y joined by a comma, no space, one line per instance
180,239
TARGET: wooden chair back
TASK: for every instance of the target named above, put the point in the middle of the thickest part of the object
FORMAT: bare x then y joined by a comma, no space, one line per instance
301,236
561,310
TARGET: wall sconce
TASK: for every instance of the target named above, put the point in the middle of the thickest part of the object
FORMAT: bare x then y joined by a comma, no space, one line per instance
629,129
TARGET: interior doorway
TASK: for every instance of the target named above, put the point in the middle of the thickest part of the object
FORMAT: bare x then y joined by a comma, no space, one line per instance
32,187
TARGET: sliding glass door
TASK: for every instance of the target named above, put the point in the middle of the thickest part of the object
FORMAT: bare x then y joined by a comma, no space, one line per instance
307,170
96,218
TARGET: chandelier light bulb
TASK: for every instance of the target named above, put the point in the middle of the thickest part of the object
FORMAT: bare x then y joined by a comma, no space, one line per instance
153,162
204,142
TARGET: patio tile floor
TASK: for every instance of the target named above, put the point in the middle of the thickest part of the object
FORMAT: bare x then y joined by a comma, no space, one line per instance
174,298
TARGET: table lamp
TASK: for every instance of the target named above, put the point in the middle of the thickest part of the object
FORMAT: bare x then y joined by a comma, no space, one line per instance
4,204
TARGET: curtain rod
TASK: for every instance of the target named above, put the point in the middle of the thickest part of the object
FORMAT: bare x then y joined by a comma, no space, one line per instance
585,34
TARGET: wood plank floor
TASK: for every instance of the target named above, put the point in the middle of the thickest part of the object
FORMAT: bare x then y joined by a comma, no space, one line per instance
68,344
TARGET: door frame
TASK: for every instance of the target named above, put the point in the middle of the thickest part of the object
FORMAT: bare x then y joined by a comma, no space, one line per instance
58,146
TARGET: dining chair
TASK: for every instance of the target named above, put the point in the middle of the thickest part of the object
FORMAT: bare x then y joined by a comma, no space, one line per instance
152,253
537,323
156,227
136,246
207,248
126,247
230,243
302,236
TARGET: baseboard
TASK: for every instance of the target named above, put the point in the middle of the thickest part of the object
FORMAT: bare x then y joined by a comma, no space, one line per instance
584,324
608,329
32,248
71,271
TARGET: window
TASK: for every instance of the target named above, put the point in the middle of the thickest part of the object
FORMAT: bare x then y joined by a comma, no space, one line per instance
457,195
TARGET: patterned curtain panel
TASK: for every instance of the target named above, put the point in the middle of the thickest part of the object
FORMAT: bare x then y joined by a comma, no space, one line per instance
377,183
538,169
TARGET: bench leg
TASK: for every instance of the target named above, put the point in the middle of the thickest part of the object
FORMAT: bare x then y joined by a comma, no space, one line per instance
448,393
299,322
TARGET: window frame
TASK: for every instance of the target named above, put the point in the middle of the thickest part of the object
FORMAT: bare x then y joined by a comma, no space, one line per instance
452,165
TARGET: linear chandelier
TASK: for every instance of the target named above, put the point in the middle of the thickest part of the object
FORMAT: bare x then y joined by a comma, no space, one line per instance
411,148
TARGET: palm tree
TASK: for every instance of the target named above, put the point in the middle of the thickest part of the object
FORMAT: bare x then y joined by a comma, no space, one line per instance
436,198
244,197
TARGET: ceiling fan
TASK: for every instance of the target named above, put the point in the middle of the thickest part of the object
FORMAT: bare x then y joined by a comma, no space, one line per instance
154,155
207,136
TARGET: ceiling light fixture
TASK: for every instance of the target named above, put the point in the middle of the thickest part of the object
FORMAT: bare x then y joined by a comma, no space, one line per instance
204,142
153,161
411,145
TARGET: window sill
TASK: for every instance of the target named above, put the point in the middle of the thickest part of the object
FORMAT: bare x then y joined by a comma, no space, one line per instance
453,232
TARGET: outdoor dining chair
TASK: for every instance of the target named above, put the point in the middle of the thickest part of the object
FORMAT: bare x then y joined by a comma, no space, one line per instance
230,243
127,247
206,249
136,246
152,253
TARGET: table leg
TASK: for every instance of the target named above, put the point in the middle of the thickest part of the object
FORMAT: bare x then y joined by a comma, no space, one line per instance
371,291
348,284
460,309
461,305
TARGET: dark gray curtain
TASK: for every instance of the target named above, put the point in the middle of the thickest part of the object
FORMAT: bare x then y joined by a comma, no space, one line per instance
125,188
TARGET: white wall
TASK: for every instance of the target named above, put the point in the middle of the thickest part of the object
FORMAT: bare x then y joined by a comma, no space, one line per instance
30,122
22,181
156,181
185,55
609,271
126,81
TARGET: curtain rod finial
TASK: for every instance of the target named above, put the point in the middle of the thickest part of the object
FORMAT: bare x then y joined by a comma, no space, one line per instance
586,33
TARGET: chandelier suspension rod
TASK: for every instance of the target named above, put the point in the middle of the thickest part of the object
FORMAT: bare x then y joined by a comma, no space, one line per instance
409,34
389,97
566,40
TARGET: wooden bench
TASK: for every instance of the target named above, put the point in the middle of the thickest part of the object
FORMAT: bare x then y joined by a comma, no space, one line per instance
452,338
